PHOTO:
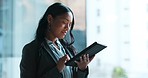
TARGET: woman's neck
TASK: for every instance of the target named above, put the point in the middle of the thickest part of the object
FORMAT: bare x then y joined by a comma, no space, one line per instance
51,37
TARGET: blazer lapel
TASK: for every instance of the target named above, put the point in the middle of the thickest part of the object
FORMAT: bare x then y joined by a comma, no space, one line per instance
47,48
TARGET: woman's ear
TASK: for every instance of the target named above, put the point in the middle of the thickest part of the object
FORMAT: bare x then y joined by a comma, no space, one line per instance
49,18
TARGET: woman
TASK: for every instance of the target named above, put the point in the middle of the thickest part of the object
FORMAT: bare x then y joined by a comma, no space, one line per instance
46,55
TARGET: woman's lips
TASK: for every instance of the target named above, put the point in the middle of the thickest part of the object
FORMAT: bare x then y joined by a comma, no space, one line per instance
64,32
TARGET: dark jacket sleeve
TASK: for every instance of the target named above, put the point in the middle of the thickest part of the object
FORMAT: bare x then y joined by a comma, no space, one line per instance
83,74
53,73
28,63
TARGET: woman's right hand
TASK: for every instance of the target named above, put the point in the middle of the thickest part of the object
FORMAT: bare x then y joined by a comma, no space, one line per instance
61,62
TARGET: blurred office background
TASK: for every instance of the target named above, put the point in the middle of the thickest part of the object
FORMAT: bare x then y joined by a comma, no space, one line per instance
122,25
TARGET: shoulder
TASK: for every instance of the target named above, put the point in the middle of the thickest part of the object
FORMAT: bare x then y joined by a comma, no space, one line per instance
30,47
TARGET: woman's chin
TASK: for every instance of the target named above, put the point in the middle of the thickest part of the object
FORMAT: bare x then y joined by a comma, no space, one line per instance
62,37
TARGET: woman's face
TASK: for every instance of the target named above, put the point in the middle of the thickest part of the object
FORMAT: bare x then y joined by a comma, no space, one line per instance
59,25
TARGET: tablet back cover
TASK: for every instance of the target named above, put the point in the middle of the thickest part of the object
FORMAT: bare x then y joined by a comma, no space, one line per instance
91,50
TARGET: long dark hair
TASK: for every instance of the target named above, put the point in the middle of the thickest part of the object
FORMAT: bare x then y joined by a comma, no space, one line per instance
55,10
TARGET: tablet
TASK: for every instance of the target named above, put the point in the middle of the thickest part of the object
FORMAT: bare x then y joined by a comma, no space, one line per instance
91,50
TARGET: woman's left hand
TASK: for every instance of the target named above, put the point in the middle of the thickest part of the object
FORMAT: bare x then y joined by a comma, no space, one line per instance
84,61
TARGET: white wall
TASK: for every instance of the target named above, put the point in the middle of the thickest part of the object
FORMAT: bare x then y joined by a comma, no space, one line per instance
122,25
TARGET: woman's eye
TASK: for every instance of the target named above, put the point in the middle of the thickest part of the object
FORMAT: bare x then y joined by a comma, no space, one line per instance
67,23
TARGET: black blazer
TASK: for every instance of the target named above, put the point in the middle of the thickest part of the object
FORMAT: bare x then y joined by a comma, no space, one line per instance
39,62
